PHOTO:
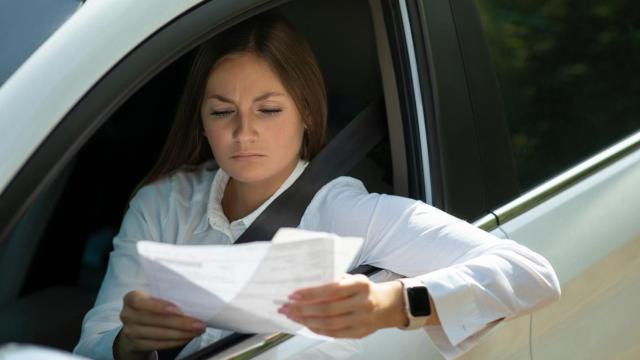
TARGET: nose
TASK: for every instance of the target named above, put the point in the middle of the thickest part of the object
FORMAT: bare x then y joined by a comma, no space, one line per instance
245,130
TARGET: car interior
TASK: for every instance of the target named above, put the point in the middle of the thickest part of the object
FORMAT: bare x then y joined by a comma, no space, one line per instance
52,264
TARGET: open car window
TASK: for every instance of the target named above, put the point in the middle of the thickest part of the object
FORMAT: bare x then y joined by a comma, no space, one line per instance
79,181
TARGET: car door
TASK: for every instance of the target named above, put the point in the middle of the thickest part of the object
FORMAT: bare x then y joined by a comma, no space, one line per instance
572,108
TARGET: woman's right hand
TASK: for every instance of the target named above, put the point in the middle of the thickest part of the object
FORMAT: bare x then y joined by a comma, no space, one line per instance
152,324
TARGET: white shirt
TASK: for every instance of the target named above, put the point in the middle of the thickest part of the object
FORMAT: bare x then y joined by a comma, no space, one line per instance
474,278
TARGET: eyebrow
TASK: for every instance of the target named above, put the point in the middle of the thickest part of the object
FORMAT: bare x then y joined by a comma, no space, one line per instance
257,98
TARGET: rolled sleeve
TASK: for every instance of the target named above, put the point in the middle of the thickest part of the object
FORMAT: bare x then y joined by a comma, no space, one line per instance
101,347
460,328
453,300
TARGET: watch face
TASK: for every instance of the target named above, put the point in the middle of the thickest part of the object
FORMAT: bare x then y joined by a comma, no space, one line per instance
419,301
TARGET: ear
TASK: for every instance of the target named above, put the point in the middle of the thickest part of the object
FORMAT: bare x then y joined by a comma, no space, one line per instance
306,121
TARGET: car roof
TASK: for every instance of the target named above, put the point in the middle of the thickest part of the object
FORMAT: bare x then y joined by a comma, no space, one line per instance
55,77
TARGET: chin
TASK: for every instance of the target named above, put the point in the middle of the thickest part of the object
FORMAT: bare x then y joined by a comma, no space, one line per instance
248,179
252,174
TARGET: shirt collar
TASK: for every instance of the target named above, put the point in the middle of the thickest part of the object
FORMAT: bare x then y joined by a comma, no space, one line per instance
218,220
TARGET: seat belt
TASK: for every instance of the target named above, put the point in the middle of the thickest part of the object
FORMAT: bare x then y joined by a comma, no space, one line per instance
339,156
350,146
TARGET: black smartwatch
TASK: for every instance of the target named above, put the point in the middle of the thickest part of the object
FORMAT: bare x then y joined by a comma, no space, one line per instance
416,303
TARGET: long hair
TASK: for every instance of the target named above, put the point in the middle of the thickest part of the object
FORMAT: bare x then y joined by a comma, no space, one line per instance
273,40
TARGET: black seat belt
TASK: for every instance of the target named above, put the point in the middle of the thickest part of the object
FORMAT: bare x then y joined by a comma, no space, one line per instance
339,156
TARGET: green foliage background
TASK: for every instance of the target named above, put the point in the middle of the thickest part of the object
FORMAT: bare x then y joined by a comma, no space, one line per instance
569,72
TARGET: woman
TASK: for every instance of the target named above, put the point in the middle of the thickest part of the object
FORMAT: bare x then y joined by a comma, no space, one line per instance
256,101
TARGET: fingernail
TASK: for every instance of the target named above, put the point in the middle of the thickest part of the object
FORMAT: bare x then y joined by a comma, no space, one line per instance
198,325
295,296
173,310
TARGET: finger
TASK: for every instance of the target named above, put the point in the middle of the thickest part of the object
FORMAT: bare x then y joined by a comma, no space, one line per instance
330,322
143,301
142,332
357,302
178,322
335,290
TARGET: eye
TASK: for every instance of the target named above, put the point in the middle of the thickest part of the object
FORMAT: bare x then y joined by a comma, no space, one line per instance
270,111
223,113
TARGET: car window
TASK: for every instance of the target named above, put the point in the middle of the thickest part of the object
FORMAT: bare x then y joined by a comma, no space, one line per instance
25,25
84,207
567,71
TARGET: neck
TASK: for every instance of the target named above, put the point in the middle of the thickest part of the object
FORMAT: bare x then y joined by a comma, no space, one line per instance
241,199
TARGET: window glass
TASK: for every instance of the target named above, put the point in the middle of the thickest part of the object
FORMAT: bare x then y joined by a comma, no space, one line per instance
568,73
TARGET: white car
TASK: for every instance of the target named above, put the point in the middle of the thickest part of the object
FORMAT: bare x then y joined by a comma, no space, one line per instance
522,118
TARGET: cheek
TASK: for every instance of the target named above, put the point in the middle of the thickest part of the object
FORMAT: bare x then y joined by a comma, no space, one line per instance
287,137
216,136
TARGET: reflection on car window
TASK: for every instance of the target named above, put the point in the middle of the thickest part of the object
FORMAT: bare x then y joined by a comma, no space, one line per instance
25,25
568,77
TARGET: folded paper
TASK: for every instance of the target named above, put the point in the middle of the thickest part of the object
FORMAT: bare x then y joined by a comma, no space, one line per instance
241,287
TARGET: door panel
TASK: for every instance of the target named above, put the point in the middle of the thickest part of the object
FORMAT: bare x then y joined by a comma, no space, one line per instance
591,235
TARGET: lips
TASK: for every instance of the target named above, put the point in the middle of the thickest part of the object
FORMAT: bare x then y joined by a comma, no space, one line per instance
246,156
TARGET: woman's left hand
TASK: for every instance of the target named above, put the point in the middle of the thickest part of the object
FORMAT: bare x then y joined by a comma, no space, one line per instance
352,307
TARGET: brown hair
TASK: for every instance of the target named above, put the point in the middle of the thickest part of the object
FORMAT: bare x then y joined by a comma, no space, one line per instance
275,41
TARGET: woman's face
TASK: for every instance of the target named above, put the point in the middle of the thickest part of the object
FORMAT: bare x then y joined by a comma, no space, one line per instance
252,124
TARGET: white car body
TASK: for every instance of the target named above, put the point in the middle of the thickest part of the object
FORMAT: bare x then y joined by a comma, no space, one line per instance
585,220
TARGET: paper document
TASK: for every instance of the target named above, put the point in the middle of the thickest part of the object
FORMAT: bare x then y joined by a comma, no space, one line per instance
240,287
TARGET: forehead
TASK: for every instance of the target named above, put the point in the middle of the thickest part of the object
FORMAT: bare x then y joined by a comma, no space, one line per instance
243,71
